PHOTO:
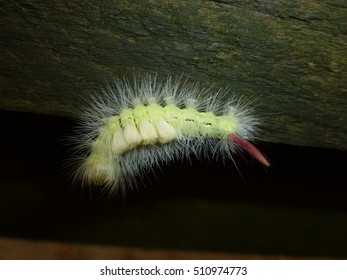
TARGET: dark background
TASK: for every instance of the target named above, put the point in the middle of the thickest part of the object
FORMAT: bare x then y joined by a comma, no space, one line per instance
295,207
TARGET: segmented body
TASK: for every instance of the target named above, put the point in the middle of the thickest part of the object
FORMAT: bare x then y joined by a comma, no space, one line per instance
132,128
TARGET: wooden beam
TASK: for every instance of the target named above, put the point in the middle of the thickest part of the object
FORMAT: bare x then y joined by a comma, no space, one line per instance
290,56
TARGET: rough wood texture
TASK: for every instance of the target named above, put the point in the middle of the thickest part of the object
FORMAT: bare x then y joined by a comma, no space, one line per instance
289,55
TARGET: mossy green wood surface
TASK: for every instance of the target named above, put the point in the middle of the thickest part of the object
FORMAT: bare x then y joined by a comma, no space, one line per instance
290,56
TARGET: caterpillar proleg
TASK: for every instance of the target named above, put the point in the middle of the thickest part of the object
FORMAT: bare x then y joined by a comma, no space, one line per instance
133,126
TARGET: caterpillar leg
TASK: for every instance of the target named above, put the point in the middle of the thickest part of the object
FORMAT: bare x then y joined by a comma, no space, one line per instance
250,148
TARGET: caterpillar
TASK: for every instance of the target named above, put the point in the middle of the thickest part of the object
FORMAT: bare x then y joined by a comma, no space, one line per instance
132,126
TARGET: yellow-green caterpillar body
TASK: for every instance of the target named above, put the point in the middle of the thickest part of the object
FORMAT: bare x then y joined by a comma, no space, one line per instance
131,127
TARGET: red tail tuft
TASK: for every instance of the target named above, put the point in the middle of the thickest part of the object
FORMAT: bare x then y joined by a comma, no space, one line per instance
250,148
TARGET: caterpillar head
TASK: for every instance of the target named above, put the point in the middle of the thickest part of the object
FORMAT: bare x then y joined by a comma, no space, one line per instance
99,170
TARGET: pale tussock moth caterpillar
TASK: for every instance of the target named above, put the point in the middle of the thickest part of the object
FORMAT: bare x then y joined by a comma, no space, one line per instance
130,127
